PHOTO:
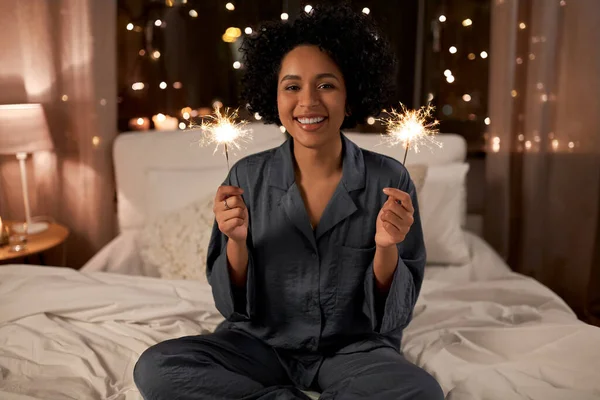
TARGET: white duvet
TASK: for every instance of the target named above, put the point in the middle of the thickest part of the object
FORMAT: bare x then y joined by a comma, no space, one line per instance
482,331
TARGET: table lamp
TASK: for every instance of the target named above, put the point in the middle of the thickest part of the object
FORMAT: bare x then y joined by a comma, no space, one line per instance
24,130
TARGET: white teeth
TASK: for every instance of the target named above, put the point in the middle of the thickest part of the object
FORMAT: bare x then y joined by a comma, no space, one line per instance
311,120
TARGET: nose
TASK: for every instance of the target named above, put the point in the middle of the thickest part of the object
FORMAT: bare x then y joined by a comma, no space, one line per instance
309,97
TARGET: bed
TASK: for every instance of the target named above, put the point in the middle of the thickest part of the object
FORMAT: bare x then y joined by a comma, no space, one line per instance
481,330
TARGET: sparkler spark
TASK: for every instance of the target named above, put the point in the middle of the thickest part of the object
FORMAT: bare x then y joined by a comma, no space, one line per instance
411,128
222,129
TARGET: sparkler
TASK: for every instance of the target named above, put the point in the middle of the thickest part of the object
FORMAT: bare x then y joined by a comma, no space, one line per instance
222,129
411,128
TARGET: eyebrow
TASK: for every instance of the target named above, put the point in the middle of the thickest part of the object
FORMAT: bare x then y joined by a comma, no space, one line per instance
320,76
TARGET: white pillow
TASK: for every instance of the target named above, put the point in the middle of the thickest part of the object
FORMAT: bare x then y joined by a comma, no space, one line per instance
418,173
441,210
176,243
168,190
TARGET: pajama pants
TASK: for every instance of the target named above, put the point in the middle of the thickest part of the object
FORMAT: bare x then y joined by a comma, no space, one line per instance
232,365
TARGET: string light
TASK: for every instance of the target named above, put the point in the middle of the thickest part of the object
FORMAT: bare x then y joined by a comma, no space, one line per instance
483,54
521,137
370,120
450,79
487,121
186,115
142,52
177,85
519,60
555,144
571,145
513,93
528,144
257,116
130,26
158,22
102,102
563,3
466,97
442,18
182,125
496,144
522,25
471,56
307,8
96,141
540,85
429,97
447,73
163,85
248,30
284,16
237,65
230,6
467,22
140,121
193,13
156,54
66,98
137,86
531,56
366,10
544,97
452,50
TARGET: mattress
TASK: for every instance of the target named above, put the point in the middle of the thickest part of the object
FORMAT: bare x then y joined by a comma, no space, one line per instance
483,331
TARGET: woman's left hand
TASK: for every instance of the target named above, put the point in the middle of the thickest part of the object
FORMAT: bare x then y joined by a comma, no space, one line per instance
394,219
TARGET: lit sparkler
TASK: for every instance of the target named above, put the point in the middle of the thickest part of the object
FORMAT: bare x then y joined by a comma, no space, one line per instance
223,129
411,128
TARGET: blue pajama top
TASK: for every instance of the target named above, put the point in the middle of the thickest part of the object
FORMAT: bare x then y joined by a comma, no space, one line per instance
309,292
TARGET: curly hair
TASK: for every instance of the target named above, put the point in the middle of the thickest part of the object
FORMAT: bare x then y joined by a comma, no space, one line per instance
351,39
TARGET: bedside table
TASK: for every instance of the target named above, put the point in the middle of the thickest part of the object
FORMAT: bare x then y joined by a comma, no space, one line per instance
37,244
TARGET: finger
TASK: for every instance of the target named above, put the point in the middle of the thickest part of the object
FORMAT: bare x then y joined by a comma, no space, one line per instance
393,219
403,197
228,226
394,232
224,192
399,210
225,216
233,202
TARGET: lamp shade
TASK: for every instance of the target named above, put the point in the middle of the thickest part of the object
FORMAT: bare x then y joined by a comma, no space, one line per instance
23,129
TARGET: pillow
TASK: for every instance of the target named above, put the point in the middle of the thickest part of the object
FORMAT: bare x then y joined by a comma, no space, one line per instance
176,243
417,173
440,202
168,190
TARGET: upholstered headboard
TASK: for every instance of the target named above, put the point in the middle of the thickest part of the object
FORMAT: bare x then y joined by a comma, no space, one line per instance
159,171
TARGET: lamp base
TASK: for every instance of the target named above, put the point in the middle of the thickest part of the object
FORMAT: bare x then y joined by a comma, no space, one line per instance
32,228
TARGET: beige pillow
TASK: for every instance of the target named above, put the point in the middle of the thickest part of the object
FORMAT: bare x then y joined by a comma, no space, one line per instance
418,173
176,243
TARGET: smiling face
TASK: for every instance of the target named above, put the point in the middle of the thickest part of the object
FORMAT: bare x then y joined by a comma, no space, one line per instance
311,97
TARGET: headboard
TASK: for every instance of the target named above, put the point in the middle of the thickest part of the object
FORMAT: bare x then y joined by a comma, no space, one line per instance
159,171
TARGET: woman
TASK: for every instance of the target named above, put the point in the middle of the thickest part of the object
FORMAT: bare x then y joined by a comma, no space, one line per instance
316,257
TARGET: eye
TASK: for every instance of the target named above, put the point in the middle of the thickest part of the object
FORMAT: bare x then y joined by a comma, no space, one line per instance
292,87
326,86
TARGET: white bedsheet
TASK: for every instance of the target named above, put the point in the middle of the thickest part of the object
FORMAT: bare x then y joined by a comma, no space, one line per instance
482,331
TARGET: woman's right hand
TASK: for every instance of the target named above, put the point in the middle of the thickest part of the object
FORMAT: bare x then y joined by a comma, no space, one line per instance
231,213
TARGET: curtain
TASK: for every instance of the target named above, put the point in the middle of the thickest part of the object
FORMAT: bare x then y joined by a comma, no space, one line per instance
543,149
61,53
